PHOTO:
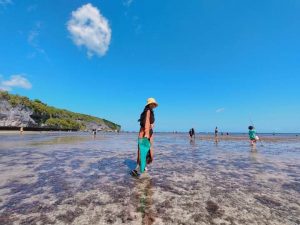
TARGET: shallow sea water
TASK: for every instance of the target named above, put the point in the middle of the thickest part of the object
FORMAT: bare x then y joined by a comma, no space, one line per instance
71,178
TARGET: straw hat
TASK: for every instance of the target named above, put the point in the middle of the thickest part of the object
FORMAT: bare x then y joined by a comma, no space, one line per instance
151,101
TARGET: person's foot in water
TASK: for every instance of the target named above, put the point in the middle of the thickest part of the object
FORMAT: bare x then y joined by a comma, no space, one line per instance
134,173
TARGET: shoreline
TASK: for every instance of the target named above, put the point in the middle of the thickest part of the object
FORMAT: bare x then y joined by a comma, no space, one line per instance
199,137
33,132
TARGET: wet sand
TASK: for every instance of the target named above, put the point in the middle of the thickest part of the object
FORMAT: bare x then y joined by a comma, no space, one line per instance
75,179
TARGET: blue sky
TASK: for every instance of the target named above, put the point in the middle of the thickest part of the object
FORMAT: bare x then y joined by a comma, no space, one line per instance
208,63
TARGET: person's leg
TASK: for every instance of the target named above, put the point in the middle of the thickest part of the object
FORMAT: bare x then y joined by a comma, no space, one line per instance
141,135
138,156
150,154
138,160
151,148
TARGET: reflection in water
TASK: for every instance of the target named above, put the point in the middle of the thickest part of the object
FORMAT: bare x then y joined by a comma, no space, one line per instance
62,140
253,148
192,142
76,179
254,156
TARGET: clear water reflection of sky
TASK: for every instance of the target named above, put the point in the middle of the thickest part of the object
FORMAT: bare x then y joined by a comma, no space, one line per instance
70,178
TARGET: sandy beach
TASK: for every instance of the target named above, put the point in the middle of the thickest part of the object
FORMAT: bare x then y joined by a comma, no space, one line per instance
74,179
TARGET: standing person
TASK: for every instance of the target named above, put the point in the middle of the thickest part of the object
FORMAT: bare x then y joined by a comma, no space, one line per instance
146,120
21,130
252,135
94,132
216,134
192,133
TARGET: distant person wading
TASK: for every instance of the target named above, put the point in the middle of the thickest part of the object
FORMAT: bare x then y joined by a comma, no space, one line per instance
192,133
216,134
94,133
145,137
252,135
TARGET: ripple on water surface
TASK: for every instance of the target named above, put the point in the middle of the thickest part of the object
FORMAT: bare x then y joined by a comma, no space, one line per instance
76,179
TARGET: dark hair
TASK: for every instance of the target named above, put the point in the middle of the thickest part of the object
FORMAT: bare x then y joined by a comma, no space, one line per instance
250,127
142,119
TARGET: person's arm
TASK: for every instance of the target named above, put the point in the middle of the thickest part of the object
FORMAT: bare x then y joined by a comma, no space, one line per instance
147,125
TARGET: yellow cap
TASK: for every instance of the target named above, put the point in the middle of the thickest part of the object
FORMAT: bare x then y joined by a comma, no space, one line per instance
151,101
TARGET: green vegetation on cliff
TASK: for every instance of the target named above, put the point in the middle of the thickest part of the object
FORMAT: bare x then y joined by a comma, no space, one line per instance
53,117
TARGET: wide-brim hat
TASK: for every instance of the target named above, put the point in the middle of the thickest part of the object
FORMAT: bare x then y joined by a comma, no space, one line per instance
151,101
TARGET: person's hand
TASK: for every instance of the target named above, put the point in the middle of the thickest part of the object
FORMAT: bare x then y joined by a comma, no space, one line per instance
147,136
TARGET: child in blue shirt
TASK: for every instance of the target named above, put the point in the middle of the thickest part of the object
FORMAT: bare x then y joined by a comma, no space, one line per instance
252,135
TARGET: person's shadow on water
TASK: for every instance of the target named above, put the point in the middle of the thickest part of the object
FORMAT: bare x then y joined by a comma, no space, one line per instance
131,164
192,142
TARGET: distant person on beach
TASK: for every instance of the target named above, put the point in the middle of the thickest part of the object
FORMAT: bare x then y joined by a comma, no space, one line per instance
192,133
216,134
21,130
94,132
146,120
252,135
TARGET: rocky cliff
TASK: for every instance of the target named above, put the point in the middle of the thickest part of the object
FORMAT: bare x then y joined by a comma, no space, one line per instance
18,111
15,116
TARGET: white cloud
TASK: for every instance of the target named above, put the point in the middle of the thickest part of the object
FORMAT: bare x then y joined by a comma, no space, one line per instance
15,81
220,110
5,2
33,40
90,29
31,8
33,35
127,2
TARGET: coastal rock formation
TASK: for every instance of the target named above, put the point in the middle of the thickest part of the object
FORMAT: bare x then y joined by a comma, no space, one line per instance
17,111
18,116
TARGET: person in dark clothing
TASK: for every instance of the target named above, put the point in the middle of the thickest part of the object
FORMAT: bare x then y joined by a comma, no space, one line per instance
216,134
192,133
